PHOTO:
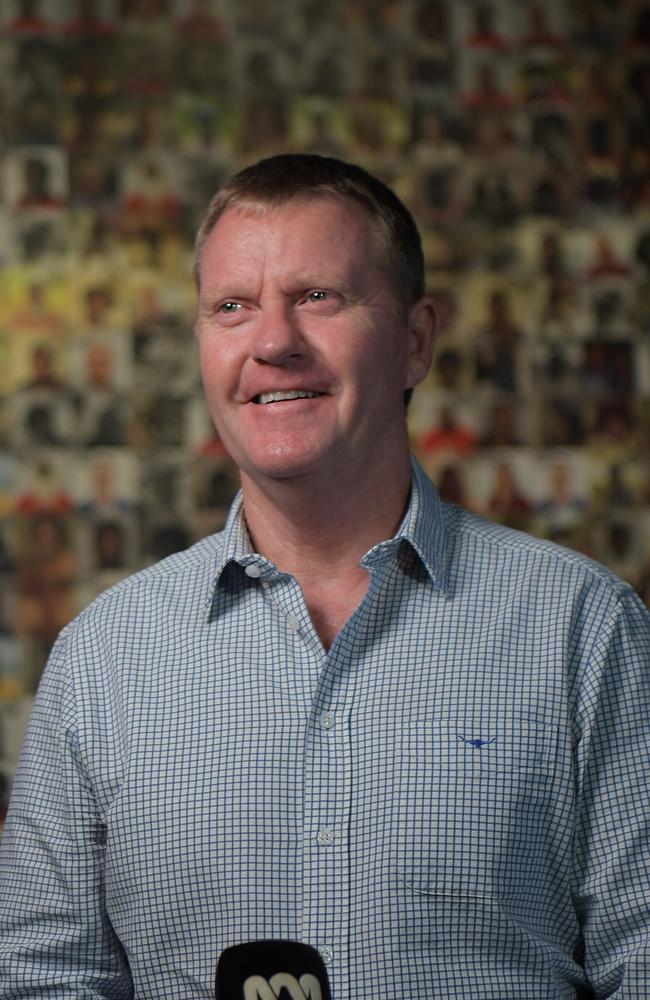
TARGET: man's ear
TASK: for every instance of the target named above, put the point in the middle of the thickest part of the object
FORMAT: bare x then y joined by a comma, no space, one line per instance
422,325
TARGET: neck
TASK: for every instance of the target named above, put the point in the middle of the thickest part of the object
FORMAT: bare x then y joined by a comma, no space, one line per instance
320,530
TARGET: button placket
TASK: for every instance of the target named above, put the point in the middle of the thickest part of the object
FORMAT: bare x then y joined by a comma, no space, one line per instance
325,837
293,622
327,721
326,953
327,809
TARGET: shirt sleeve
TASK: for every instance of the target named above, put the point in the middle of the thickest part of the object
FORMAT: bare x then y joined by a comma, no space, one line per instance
55,936
612,843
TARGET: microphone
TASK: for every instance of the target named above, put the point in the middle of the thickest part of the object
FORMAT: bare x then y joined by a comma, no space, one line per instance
271,970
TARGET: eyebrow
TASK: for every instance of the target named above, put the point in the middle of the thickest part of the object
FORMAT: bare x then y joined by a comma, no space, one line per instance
211,296
337,282
298,283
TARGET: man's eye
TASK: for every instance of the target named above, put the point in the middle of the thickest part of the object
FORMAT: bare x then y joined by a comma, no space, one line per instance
229,307
317,295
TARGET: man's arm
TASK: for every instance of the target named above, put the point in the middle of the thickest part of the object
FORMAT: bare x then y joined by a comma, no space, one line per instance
55,936
612,847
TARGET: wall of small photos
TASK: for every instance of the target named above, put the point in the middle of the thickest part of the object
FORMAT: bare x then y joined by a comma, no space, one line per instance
517,133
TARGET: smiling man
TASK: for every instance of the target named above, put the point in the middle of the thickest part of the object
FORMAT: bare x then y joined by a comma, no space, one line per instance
307,347
358,717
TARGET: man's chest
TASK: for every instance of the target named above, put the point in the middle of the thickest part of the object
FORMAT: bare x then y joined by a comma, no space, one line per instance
273,779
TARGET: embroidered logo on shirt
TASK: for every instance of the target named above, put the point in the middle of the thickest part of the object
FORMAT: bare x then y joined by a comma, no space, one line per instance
477,744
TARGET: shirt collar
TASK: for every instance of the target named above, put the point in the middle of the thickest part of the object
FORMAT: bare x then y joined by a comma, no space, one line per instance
236,547
422,527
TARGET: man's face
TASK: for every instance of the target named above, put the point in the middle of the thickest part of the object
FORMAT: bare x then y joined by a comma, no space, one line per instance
294,300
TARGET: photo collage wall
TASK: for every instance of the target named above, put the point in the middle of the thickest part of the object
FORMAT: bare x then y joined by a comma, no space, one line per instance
517,134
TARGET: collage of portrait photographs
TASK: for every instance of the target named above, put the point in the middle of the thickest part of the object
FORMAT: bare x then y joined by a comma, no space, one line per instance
517,134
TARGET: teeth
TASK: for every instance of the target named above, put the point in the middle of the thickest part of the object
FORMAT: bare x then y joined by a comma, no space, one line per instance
276,397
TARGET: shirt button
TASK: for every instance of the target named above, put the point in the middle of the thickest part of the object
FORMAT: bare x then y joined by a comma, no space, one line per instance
326,954
325,836
253,571
327,720
293,622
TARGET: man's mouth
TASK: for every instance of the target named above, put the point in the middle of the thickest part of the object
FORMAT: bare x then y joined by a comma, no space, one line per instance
280,397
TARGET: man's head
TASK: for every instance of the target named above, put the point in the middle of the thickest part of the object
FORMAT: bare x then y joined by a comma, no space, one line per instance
303,290
279,179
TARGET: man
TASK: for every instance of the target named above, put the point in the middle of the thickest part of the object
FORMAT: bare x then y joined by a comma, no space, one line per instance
357,717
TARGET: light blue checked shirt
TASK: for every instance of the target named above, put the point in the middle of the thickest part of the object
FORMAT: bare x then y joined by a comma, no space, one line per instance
452,802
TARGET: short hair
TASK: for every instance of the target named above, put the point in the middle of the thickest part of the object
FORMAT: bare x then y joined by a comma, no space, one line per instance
276,180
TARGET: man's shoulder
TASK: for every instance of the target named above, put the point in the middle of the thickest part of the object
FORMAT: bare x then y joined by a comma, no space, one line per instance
492,545
183,579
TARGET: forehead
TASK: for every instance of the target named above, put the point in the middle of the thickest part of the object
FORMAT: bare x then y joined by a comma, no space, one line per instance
326,227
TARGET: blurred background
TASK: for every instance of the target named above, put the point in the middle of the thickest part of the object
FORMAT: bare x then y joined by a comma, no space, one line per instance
518,133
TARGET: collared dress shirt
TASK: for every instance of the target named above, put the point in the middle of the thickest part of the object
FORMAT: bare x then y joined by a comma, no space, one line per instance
451,802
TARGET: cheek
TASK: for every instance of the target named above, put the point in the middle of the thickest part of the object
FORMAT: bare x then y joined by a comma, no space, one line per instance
208,371
383,363
217,368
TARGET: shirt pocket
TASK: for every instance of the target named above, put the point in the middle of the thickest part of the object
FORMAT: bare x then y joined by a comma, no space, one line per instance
475,807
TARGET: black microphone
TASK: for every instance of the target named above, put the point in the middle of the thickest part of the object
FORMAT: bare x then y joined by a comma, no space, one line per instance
271,970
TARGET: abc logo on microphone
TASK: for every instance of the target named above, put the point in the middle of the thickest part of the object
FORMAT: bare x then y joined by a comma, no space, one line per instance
271,970
282,983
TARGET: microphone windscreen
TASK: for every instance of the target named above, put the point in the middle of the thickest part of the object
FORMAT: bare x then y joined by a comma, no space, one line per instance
271,970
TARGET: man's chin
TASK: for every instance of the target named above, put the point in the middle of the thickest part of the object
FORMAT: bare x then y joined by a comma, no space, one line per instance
285,468
287,472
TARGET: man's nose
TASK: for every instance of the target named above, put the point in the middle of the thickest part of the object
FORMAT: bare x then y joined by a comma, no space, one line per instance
278,337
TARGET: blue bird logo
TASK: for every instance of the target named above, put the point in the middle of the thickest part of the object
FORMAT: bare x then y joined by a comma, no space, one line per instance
477,744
